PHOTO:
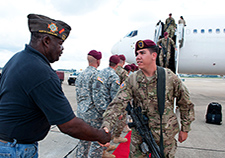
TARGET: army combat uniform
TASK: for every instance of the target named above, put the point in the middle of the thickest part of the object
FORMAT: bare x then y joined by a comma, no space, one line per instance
171,26
143,91
87,111
105,87
167,46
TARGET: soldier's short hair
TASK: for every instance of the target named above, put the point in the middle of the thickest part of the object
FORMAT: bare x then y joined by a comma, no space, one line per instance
112,64
154,49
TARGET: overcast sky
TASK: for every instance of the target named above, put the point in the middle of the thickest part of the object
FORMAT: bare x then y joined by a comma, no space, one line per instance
96,24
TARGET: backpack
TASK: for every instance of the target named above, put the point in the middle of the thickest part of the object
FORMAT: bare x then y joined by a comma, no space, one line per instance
214,113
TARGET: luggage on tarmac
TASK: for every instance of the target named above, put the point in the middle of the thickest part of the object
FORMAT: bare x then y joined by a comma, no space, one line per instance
214,113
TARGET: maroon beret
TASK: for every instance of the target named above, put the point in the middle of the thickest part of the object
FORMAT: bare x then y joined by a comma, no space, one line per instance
165,34
122,57
144,44
44,24
133,66
97,55
127,67
114,59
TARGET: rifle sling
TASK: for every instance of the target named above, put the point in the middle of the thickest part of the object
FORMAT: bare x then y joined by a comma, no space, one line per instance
161,101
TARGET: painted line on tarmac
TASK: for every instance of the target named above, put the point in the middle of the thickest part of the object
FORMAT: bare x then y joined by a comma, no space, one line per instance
186,147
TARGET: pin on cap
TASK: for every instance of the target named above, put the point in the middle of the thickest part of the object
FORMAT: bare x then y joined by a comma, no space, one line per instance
144,44
44,24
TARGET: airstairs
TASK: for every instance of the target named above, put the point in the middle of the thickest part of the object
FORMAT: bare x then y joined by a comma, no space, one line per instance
179,39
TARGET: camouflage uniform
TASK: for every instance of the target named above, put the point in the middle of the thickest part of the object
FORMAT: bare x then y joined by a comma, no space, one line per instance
171,27
143,91
182,21
122,73
86,111
163,42
105,87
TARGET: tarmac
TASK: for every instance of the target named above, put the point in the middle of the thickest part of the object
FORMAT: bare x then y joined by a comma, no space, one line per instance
204,140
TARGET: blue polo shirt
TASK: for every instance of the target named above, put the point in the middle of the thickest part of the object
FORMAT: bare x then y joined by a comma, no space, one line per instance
31,98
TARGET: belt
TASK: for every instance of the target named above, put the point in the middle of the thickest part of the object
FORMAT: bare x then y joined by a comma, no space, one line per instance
3,141
18,142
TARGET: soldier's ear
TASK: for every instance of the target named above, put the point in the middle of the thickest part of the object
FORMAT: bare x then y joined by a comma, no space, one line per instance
154,55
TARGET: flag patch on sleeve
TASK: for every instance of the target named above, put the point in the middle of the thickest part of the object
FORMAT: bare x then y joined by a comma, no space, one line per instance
100,79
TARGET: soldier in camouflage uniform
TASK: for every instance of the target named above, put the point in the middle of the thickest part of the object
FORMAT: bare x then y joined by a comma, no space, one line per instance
182,21
120,71
170,25
127,68
166,43
85,106
123,75
106,85
141,87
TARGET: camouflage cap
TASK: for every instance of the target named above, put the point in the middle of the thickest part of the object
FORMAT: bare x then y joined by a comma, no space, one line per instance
43,24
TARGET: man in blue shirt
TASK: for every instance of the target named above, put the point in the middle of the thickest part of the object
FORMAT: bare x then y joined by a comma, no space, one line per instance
31,97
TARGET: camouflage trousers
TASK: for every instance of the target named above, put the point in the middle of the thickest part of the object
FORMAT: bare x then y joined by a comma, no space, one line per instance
170,30
87,149
161,55
170,146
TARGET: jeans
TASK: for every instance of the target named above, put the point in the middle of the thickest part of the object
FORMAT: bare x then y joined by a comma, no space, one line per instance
14,150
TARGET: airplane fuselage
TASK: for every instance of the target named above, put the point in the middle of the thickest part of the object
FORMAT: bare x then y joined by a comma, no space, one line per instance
202,52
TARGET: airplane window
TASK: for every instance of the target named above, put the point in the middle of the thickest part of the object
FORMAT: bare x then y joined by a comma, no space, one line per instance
202,31
134,33
217,30
195,31
130,34
210,30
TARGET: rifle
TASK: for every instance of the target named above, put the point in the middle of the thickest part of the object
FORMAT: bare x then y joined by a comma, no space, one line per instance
164,55
140,122
168,25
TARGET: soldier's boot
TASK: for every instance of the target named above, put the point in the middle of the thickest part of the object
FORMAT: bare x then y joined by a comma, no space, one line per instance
111,147
119,140
107,155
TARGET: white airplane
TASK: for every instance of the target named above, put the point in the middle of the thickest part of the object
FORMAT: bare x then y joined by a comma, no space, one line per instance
202,50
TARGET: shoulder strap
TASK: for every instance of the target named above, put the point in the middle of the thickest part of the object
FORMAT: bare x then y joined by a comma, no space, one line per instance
161,83
134,81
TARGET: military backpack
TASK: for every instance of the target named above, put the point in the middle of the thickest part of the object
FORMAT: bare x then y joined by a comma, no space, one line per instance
214,113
